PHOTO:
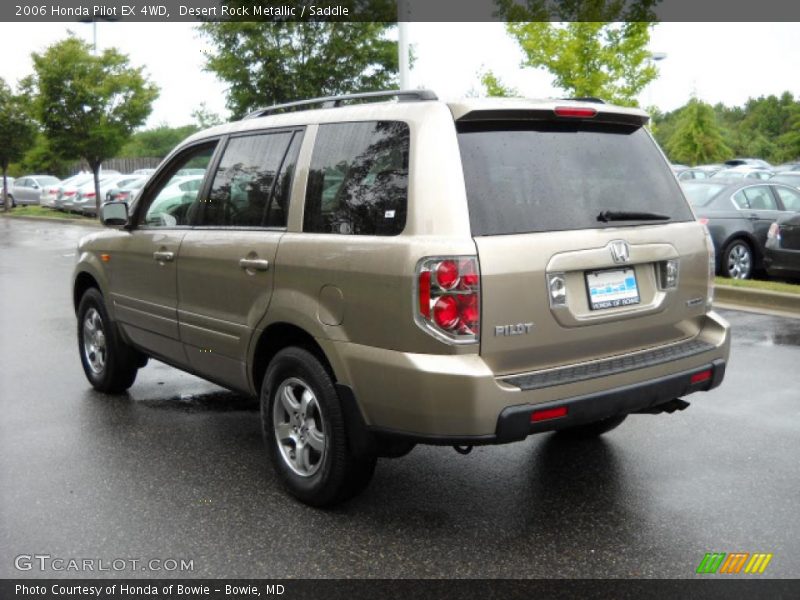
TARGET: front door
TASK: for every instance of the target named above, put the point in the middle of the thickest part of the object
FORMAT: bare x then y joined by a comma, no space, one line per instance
144,289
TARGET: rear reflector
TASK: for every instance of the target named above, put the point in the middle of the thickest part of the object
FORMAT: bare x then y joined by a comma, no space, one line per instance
701,376
575,112
548,413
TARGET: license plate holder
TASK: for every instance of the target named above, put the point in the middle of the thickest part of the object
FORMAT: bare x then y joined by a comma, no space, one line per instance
612,288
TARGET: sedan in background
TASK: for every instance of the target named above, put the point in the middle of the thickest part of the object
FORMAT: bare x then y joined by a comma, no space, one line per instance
690,174
752,162
738,215
28,189
787,177
782,252
85,197
69,187
743,173
125,190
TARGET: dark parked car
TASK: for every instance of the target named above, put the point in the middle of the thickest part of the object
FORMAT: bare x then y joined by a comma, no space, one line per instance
738,215
782,253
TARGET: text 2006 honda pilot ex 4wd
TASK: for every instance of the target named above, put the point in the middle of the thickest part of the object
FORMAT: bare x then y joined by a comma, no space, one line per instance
389,273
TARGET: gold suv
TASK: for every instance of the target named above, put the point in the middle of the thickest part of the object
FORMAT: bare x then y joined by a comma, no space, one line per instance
386,269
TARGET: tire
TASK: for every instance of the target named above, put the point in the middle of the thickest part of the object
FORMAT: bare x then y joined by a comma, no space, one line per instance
305,434
737,260
109,363
591,430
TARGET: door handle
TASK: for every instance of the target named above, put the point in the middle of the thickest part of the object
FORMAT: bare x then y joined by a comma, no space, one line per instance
164,256
753,217
257,264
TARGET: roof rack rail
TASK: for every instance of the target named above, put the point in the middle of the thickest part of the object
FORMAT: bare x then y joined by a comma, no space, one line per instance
587,99
336,101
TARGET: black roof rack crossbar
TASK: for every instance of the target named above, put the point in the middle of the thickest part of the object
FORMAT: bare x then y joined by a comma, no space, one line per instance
335,101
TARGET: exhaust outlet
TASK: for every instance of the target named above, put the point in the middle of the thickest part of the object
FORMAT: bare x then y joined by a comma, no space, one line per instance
668,407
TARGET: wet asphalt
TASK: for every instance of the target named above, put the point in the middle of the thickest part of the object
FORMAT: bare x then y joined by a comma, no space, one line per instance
175,469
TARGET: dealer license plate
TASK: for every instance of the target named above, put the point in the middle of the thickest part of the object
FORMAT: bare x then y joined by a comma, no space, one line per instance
612,288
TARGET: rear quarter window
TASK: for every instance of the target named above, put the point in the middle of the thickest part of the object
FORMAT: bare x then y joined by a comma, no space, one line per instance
358,180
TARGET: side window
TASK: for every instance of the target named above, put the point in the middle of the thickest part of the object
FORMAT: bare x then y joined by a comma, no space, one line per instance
760,198
358,181
175,201
790,198
740,201
242,191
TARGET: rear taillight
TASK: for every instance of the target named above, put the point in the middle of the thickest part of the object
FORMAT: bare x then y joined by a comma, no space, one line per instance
774,232
575,112
448,298
69,193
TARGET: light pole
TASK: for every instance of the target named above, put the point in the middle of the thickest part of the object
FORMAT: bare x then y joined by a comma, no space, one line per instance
653,59
402,42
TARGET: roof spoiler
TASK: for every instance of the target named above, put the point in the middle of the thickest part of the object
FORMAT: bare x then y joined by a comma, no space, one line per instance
633,119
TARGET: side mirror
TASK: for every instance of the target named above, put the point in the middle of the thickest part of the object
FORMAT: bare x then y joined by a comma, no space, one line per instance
114,214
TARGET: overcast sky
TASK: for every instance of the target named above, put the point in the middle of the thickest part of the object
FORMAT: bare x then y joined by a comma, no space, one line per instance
719,62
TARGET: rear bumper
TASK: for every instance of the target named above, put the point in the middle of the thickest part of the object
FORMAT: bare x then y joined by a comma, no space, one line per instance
782,262
457,399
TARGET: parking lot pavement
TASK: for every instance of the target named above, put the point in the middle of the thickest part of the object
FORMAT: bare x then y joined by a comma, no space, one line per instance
176,469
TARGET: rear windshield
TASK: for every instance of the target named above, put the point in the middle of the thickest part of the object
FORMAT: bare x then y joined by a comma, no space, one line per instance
556,176
702,193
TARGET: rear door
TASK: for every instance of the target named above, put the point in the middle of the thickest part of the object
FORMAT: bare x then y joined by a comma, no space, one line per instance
227,261
762,212
576,224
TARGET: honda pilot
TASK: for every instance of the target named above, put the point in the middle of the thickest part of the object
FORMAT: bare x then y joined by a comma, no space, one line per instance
386,269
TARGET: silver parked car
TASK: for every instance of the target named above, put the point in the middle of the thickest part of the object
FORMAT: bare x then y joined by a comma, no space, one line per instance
28,189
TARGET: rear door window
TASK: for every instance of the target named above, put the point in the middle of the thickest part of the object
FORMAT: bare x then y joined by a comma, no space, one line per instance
242,192
358,181
760,198
531,177
789,197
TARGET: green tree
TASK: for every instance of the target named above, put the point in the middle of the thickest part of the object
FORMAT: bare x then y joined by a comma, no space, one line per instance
204,118
17,131
156,142
268,63
89,105
494,87
599,49
697,138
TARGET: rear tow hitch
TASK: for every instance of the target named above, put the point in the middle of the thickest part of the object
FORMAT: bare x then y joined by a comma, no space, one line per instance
463,449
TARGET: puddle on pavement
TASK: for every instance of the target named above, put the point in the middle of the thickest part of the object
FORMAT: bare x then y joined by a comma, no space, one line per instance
218,401
774,332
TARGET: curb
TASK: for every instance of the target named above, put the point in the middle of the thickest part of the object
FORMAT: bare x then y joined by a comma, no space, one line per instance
759,299
77,221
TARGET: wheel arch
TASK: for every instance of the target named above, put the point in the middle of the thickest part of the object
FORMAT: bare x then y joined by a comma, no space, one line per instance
750,240
83,281
274,338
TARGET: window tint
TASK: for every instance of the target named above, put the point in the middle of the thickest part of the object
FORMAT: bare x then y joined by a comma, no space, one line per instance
358,182
243,184
278,211
174,202
560,176
760,198
790,198
740,201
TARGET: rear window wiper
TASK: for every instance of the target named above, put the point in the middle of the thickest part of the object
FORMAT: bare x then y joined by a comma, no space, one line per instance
624,215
